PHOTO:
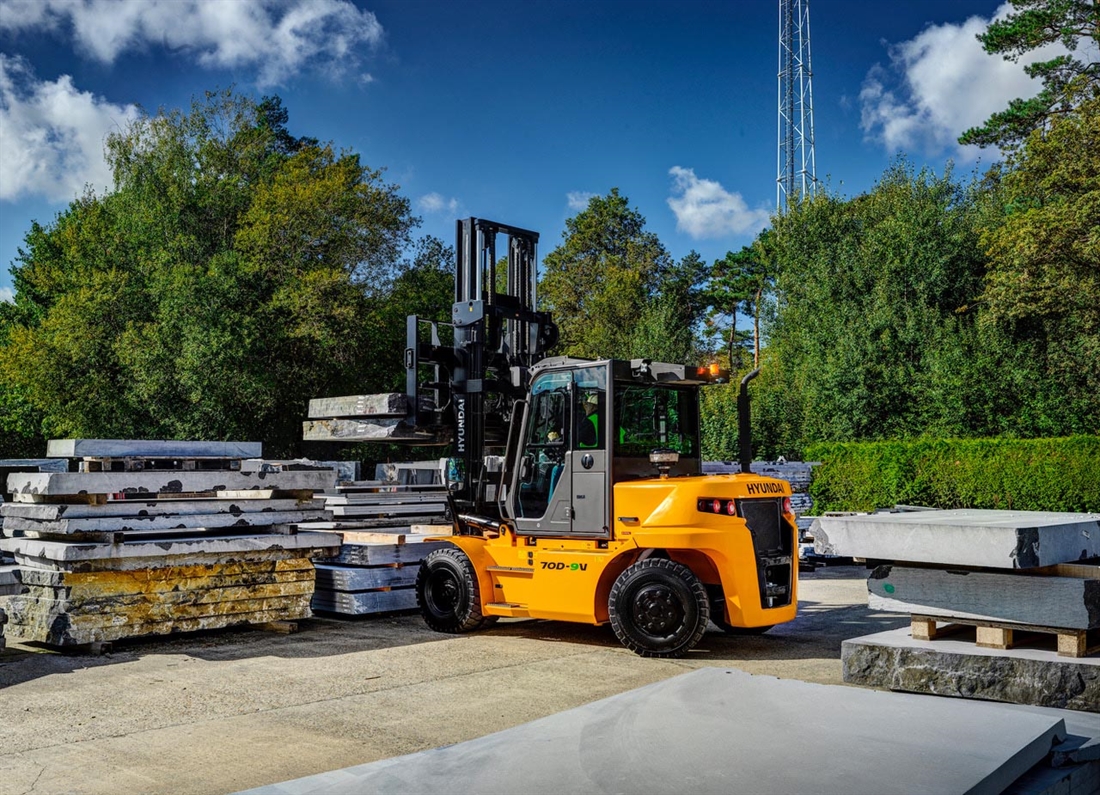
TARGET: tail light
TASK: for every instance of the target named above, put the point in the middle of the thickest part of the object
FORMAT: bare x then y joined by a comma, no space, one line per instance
787,505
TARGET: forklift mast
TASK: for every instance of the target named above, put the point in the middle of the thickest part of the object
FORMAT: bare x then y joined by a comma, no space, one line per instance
465,383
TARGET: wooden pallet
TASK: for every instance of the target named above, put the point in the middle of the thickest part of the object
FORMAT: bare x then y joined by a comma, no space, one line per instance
1005,635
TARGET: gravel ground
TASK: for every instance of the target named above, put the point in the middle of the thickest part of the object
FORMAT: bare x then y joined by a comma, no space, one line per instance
224,711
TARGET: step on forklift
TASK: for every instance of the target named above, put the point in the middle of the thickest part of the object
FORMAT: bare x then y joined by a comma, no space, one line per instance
577,491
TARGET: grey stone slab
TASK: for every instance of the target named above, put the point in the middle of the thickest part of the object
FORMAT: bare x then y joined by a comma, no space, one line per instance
374,430
141,524
1069,602
166,482
364,602
150,448
352,554
387,404
132,508
364,578
973,538
960,669
66,551
724,731
154,561
391,509
34,464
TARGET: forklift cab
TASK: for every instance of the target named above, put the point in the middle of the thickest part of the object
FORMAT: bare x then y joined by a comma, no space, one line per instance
587,425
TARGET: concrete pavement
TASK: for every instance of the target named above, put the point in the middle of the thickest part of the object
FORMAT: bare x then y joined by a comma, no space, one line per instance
229,710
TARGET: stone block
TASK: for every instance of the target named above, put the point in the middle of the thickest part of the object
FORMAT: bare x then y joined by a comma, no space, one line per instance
968,538
1069,602
895,661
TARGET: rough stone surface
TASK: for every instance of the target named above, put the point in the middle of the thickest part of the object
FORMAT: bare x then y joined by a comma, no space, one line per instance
971,538
374,430
893,660
166,548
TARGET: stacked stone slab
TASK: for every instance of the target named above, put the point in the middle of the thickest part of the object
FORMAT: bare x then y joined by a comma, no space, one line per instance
369,418
1011,575
384,527
797,473
161,537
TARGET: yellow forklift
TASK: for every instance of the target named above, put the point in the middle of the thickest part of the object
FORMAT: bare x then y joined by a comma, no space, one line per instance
578,492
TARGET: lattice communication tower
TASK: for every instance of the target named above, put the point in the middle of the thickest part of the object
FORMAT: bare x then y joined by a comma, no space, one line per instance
797,173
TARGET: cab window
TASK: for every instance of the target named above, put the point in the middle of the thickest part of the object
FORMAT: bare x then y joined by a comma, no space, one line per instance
651,417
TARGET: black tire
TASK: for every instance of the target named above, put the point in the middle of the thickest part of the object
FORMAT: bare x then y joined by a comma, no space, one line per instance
447,592
718,618
658,608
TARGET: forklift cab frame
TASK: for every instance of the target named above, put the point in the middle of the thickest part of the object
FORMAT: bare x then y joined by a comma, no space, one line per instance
575,438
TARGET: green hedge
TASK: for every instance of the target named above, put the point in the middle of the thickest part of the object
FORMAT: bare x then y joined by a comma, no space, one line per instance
1019,474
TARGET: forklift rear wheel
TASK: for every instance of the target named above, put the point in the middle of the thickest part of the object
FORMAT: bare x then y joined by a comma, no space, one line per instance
447,592
658,608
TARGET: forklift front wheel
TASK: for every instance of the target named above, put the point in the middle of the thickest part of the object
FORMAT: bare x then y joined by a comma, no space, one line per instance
447,592
658,608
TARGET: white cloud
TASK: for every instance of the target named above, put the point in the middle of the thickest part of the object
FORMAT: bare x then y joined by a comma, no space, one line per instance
277,37
52,135
6,296
578,200
704,208
435,203
938,85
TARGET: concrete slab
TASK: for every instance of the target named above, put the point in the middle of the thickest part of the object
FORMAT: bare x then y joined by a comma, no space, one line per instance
128,508
364,603
993,539
721,731
356,578
1069,602
66,551
945,667
150,448
166,481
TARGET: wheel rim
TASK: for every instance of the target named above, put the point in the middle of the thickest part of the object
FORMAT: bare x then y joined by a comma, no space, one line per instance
444,592
657,611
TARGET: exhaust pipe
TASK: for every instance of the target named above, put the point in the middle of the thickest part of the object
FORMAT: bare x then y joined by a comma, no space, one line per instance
744,424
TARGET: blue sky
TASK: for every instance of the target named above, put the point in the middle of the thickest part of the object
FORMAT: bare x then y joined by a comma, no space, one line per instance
514,111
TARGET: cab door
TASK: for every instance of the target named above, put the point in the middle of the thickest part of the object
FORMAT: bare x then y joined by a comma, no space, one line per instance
589,457
561,476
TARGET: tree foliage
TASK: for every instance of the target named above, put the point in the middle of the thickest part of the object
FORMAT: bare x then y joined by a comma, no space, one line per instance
233,272
1066,78
599,281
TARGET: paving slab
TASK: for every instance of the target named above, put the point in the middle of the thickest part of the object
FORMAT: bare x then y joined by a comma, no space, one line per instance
973,538
363,603
1069,602
68,551
945,667
130,508
166,481
722,730
150,448
363,578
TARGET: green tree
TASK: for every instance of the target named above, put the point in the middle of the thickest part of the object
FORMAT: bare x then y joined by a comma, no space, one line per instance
740,282
871,291
599,281
1067,79
230,275
1043,285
